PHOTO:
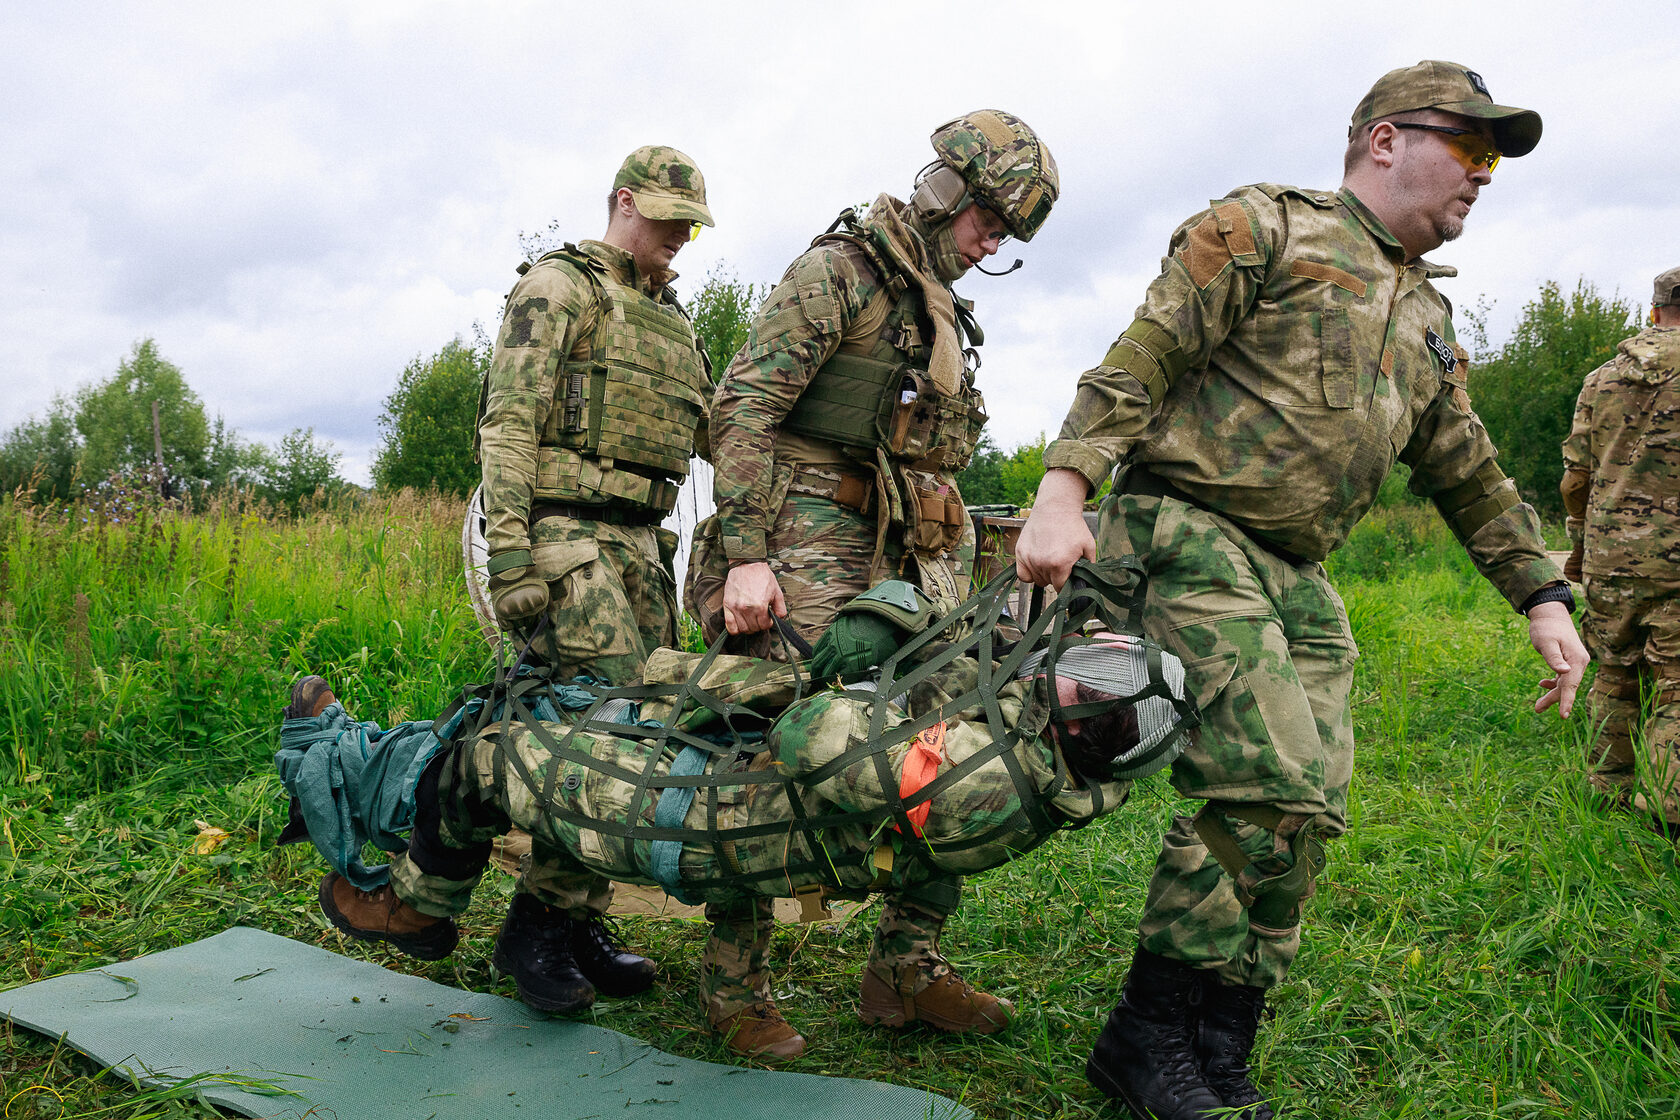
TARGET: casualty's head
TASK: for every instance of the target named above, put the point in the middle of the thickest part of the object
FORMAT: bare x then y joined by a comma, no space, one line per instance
993,179
657,205
1120,712
1424,142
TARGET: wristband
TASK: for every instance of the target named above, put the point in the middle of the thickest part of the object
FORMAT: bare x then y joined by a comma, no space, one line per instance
503,561
1551,593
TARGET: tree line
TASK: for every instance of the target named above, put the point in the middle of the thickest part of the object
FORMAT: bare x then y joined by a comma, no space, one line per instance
1524,391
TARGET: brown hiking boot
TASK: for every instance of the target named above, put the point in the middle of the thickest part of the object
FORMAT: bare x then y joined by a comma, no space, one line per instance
381,916
947,1002
310,697
759,1031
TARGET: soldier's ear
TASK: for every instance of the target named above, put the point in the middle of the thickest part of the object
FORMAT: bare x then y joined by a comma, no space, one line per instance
1380,143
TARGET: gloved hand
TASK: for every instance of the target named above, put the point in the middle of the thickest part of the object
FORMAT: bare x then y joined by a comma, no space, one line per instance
1572,566
853,643
516,591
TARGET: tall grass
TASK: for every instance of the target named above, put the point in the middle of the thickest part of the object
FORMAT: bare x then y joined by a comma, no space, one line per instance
1487,940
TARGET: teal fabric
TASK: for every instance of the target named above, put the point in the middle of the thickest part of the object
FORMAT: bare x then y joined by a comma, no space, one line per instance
353,782
669,813
345,1038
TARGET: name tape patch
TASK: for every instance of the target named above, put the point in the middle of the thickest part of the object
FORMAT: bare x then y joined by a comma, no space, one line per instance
1449,360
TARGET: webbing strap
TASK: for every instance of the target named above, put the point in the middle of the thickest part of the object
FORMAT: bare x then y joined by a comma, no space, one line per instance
669,813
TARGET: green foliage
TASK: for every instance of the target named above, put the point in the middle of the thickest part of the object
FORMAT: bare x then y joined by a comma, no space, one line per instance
105,443
722,311
302,467
114,419
1525,391
429,420
40,457
994,477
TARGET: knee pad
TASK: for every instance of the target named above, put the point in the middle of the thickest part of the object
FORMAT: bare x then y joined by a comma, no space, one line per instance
1272,887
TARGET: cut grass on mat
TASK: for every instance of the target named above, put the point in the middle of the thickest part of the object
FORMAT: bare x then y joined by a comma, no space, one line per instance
1487,941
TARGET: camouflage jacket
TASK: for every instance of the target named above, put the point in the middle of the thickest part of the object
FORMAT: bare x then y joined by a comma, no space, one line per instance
1626,437
831,296
551,317
1285,358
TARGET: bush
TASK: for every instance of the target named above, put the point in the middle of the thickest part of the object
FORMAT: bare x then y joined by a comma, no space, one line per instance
1525,391
429,420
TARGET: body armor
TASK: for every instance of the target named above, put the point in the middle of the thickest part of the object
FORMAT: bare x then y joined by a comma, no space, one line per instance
876,394
622,427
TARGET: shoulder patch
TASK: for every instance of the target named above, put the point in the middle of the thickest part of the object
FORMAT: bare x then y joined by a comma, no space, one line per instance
816,285
1205,252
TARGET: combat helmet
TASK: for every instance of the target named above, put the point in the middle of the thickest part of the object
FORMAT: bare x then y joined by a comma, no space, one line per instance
994,158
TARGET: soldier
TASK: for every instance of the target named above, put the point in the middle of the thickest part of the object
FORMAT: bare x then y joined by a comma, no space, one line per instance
1291,350
839,429
594,401
1621,489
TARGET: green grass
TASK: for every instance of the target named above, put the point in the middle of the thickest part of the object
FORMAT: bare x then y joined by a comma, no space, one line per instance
1486,942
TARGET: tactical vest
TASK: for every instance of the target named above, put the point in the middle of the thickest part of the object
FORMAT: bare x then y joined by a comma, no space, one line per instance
622,426
877,394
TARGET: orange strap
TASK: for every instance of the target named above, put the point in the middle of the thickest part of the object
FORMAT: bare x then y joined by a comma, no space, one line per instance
926,752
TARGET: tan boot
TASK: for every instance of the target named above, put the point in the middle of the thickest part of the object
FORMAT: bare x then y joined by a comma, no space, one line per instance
380,915
759,1031
900,996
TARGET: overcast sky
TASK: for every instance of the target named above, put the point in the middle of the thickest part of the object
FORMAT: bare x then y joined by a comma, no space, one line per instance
295,200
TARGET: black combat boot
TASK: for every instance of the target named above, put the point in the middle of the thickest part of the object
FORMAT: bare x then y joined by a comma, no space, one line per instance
613,971
1226,1018
1144,1056
535,948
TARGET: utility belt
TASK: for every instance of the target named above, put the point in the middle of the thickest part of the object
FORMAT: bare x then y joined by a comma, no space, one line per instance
1137,478
851,490
932,522
611,515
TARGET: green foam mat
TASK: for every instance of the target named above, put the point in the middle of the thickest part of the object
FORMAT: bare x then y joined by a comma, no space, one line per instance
351,1039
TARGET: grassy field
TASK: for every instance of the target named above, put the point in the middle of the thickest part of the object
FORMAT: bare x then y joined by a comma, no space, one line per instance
1486,942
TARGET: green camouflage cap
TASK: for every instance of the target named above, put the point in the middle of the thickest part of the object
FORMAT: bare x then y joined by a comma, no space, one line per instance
1666,293
665,184
1005,165
1451,88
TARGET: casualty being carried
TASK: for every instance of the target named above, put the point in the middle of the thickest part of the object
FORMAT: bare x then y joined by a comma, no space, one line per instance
909,746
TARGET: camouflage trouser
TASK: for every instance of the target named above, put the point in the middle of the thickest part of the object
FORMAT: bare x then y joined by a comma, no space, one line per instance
1268,658
456,817
1632,627
822,554
613,598
733,972
613,601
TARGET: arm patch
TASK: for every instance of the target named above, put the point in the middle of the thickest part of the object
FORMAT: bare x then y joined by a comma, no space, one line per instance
817,287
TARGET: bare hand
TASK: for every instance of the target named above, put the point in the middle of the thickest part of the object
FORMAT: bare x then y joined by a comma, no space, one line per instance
750,596
1553,637
1055,534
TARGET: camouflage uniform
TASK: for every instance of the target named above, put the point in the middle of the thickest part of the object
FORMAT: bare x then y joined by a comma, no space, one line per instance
833,517
595,399
1622,489
1284,359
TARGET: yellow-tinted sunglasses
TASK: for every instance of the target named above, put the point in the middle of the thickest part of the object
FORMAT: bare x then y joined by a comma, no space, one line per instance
694,227
1469,147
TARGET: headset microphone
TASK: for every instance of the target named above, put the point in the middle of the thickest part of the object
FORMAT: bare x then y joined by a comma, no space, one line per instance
1001,271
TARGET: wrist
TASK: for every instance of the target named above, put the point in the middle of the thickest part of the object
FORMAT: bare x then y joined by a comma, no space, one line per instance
507,560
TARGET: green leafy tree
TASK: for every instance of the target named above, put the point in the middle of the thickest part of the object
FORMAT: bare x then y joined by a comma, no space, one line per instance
40,455
722,311
300,466
1525,391
428,422
995,477
114,419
